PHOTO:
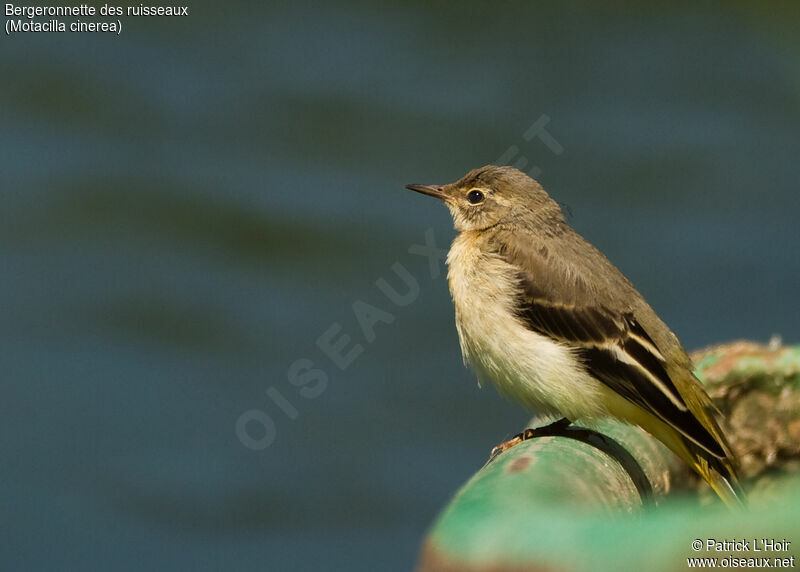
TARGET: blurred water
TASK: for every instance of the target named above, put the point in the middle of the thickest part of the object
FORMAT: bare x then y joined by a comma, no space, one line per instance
187,208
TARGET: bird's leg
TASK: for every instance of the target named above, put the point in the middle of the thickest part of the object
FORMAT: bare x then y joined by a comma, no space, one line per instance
505,445
554,428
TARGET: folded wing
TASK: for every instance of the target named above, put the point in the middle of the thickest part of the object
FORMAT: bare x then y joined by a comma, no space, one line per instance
612,344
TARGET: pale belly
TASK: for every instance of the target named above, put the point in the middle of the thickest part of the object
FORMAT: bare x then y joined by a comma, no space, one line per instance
523,365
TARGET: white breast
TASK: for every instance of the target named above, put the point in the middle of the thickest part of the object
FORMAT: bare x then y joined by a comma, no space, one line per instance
524,365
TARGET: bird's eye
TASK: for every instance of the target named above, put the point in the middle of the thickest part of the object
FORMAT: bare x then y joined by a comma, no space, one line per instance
474,196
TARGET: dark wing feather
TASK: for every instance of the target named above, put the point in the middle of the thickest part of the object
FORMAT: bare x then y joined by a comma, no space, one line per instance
616,350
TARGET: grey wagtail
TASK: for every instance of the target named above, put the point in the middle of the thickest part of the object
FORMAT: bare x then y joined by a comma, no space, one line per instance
556,327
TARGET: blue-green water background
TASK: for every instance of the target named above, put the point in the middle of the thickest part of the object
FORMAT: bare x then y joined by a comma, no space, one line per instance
187,207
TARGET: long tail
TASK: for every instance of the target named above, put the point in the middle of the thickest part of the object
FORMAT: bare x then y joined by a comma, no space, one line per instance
721,475
717,465
718,471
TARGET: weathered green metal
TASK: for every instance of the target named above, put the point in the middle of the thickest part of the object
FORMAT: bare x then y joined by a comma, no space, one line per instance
556,503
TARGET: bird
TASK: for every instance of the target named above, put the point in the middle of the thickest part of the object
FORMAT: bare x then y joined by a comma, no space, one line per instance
547,318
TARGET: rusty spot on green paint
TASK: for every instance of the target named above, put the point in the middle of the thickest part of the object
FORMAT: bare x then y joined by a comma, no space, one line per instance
519,464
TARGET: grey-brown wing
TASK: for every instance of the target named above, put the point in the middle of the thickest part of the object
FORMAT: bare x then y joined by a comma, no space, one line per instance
612,344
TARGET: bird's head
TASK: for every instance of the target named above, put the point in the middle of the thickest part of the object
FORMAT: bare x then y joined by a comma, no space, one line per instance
491,196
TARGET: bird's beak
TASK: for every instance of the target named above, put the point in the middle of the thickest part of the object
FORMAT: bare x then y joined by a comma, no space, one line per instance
431,190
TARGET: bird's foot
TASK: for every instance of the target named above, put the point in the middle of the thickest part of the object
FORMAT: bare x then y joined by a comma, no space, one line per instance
554,428
505,445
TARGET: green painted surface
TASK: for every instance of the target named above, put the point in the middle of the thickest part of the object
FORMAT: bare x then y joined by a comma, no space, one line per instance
556,503
590,539
765,367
